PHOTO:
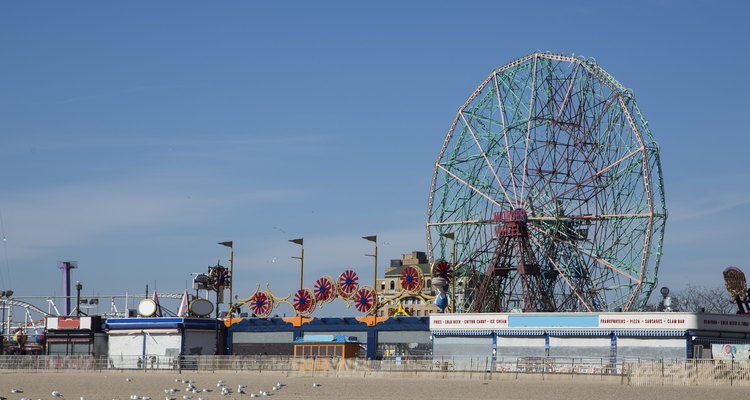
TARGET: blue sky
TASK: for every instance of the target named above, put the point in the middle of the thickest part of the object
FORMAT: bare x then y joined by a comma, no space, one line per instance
134,136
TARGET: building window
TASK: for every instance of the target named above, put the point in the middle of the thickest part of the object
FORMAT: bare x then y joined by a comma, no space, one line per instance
429,283
418,313
393,285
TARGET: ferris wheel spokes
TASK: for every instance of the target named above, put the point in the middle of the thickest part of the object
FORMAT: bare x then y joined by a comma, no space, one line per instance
573,289
589,255
479,192
505,136
489,164
528,129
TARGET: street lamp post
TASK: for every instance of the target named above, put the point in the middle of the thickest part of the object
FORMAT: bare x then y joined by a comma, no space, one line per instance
301,259
374,239
78,298
231,275
452,237
4,297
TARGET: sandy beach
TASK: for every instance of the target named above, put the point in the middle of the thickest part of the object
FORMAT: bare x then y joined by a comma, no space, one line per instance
123,385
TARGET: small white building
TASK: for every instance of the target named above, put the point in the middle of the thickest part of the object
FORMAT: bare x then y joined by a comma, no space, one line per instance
160,342
615,336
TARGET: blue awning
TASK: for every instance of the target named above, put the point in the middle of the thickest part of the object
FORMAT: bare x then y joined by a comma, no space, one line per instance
162,323
463,332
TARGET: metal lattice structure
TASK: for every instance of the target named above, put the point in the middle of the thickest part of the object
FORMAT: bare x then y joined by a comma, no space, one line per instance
550,180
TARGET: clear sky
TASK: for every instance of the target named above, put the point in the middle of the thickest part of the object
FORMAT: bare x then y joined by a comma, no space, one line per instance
136,135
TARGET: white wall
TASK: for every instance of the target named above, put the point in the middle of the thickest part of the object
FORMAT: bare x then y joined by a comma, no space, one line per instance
450,347
669,348
126,347
520,346
598,347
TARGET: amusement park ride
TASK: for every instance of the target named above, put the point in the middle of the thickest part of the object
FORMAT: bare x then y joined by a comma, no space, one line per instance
549,181
546,195
549,189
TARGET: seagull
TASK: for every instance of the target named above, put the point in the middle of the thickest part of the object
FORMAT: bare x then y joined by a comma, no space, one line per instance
16,390
316,384
57,394
252,394
128,380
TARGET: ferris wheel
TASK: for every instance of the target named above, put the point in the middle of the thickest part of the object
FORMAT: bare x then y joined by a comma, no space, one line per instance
549,186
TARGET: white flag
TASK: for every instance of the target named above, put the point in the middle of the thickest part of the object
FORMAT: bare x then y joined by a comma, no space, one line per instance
182,311
158,307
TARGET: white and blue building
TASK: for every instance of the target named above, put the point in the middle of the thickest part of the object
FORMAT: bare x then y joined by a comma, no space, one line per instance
156,342
615,336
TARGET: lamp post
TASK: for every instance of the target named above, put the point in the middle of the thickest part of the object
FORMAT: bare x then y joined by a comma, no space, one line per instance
301,259
4,296
452,237
231,275
78,298
374,239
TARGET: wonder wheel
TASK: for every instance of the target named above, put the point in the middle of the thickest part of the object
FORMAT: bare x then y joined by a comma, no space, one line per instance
550,184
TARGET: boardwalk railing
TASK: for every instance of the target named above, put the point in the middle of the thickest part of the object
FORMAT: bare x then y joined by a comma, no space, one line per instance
632,372
688,372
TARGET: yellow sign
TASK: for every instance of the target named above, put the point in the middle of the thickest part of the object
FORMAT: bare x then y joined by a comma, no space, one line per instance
734,279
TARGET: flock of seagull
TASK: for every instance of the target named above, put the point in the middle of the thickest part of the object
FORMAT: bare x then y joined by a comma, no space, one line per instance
191,388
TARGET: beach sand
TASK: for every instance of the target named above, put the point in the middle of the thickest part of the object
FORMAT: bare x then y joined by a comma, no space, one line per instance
115,385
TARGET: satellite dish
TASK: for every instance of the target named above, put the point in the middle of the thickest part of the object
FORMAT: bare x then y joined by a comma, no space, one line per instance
201,307
146,308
